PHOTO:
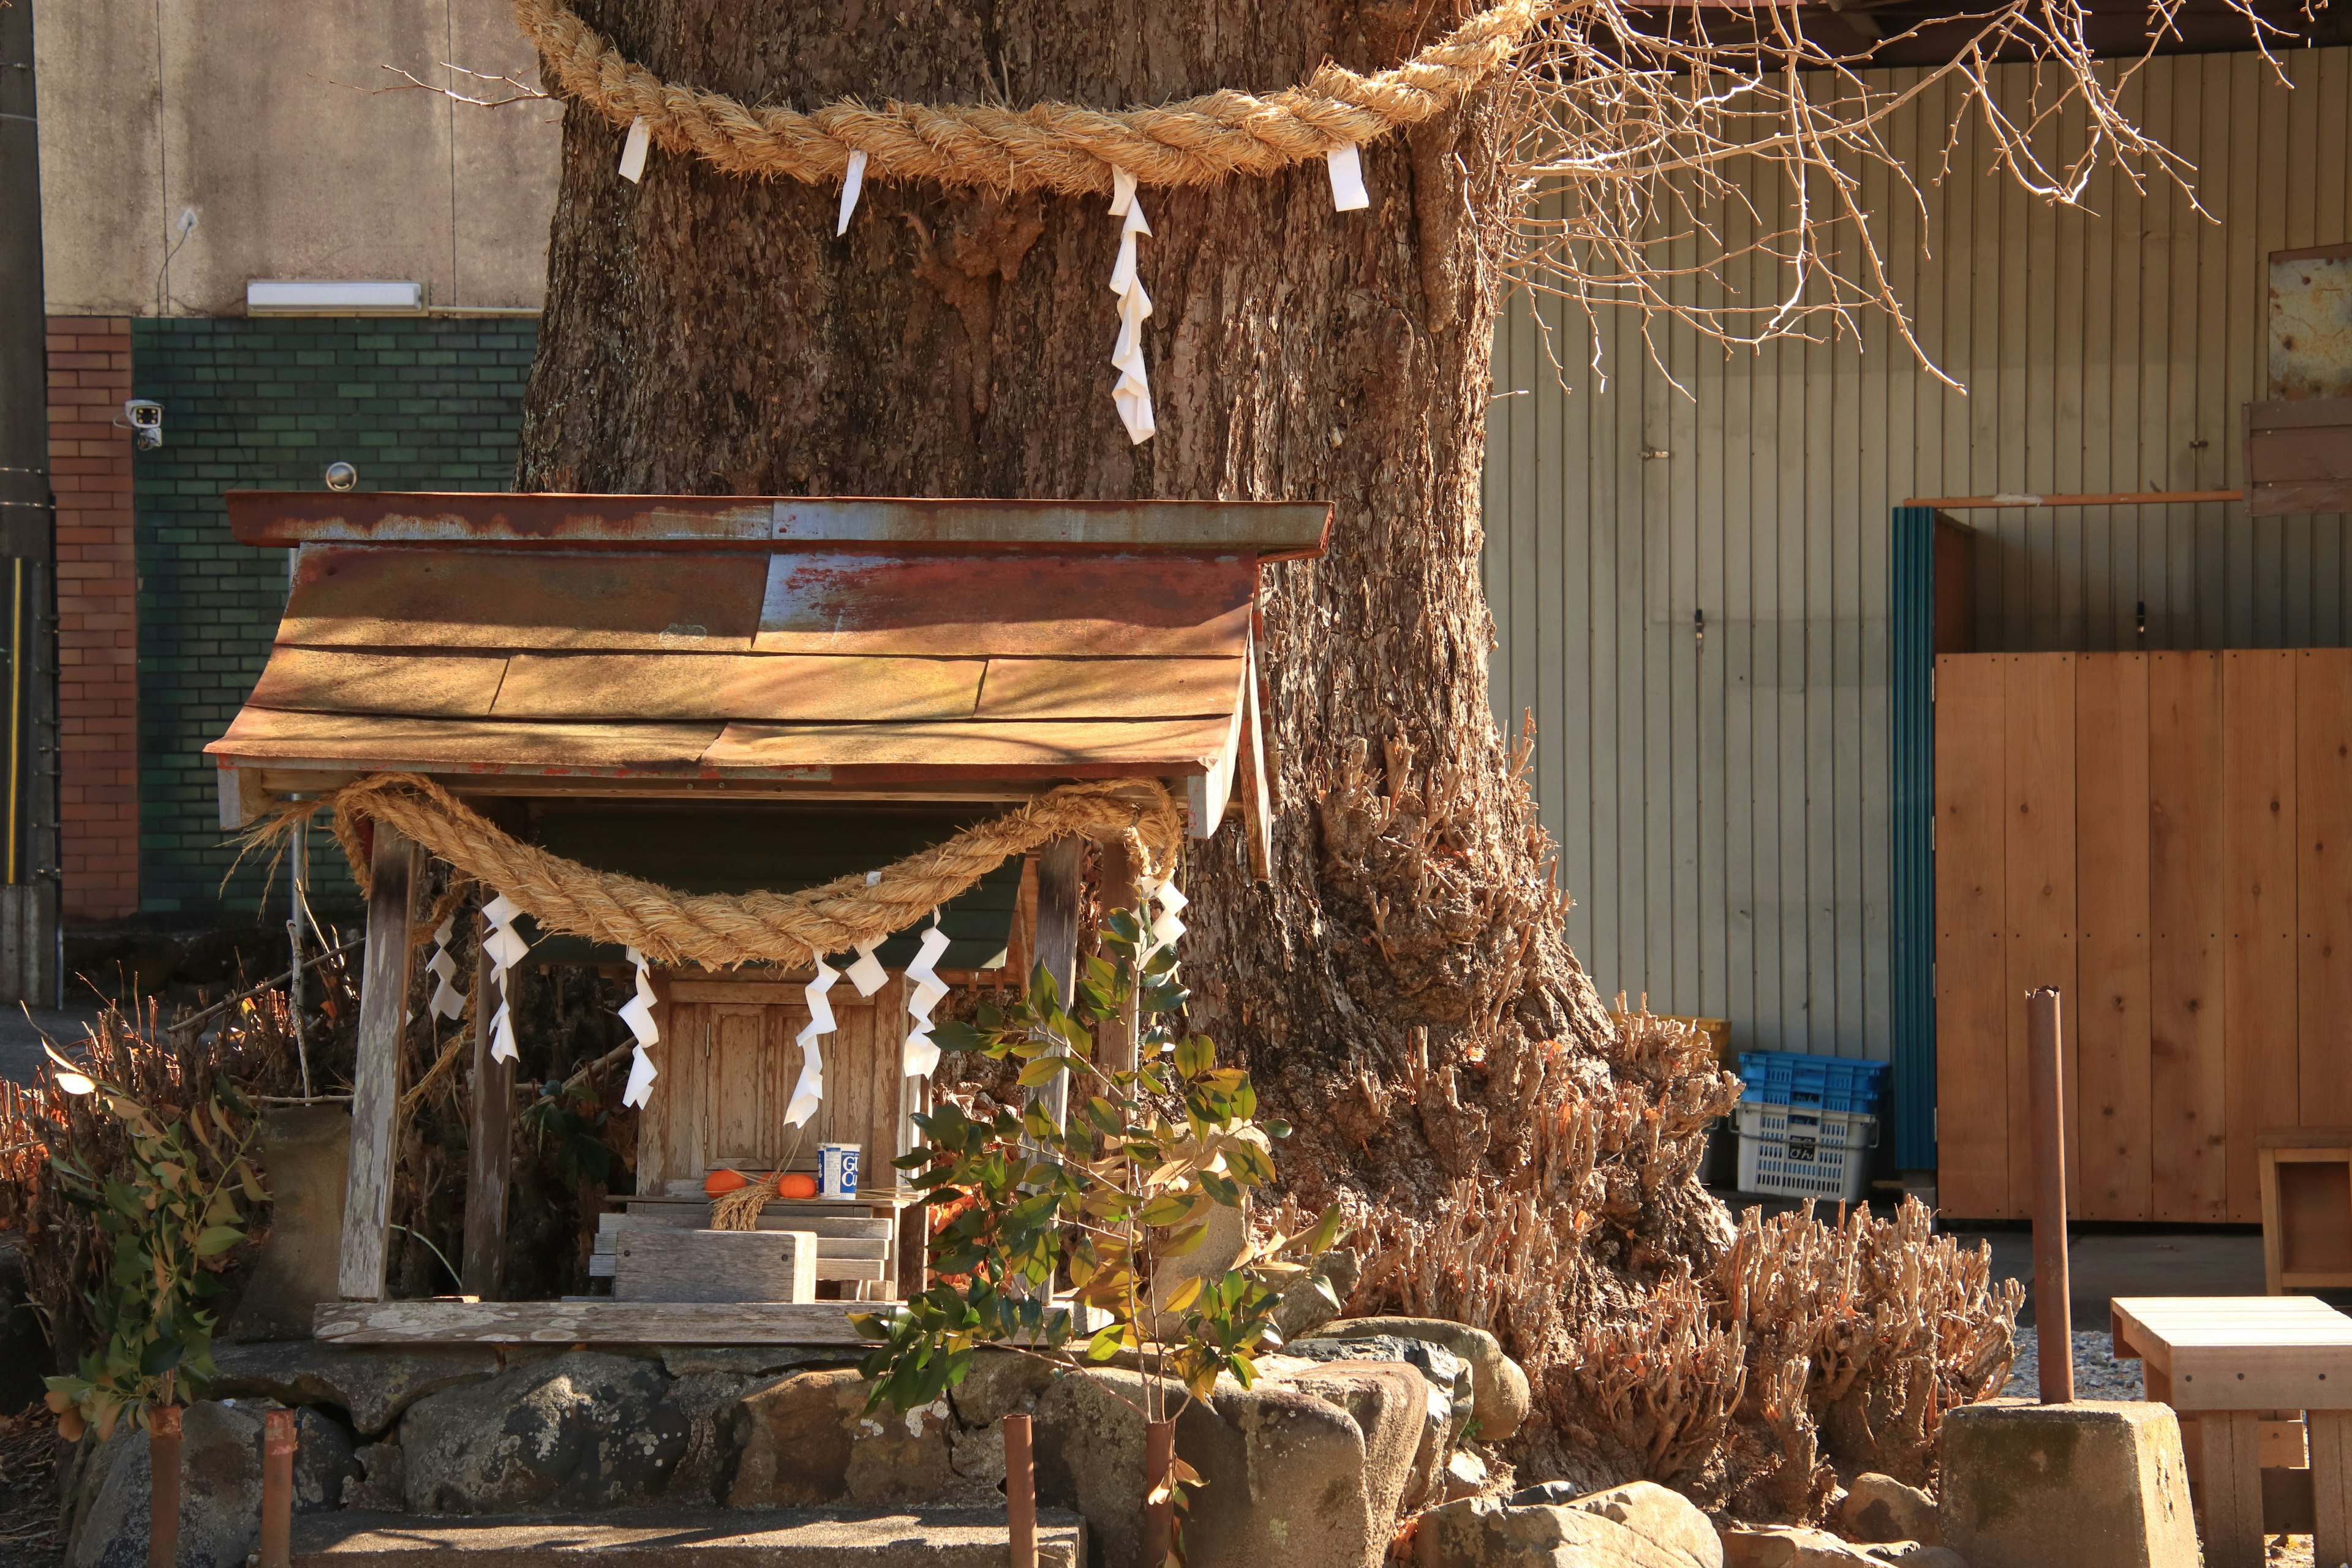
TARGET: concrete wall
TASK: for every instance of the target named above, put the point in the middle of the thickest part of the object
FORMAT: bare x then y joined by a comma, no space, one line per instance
1720,792
237,112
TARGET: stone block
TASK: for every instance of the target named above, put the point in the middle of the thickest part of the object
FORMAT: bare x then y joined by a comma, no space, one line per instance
1445,1372
792,1444
1880,1509
220,1493
374,1385
1391,1404
304,1149
1488,1532
2030,1486
1503,1397
1303,1309
1664,1517
1787,1546
999,1383
579,1430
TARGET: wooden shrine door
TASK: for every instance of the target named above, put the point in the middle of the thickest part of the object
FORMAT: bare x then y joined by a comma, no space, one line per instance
727,1061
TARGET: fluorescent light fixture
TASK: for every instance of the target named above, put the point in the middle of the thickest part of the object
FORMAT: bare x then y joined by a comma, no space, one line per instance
286,297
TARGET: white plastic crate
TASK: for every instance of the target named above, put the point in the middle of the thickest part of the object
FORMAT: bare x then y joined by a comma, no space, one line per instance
1803,1152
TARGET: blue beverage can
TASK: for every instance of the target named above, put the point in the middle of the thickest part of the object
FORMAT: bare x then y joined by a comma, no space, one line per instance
836,1170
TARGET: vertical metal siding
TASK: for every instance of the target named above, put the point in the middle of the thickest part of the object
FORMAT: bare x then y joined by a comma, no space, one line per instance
1722,800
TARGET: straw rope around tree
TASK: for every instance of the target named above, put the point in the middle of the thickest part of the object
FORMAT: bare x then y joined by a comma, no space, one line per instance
723,930
1057,147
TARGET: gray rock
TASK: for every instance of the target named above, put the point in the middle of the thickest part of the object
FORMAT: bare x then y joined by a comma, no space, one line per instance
1224,1233
372,1384
1303,1307
1880,1509
220,1493
304,1151
580,1430
1560,1493
1486,1533
1789,1546
1443,1369
1503,1395
1390,1404
324,1459
1666,1518
708,1401
792,1442
382,1485
999,1383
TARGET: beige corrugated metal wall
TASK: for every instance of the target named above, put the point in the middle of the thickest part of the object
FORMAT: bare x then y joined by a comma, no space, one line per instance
1719,794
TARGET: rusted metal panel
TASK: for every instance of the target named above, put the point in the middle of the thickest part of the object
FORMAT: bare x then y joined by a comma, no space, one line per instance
325,681
1110,688
638,687
1161,748
1066,604
2299,456
347,596
2311,323
1274,530
378,742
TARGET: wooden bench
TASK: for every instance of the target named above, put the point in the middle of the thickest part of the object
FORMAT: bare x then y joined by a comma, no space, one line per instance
2306,1186
2247,1373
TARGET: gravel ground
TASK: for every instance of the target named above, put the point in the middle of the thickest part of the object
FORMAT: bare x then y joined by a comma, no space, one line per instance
2097,1373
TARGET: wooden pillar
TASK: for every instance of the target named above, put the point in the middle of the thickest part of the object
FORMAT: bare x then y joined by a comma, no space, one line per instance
1115,1040
2330,1436
2052,1288
1057,942
375,1079
484,1271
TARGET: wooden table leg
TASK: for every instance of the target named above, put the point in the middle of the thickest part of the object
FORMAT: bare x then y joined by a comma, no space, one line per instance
2231,1490
2330,1436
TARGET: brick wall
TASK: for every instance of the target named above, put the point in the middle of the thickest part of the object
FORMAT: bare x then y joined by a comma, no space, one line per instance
97,638
429,405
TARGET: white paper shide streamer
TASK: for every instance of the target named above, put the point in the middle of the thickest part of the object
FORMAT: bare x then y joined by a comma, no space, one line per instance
637,1012
853,180
633,150
1166,926
448,1002
1131,396
809,1092
505,947
1346,166
921,1053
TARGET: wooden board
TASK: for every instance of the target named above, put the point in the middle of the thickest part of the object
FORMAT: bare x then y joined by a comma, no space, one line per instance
351,595
2039,799
377,743
327,680
2189,1174
2258,814
384,971
2229,1489
659,1263
2242,1353
586,1322
1110,688
1015,749
1971,1029
1032,604
2110,1018
2331,1483
633,688
2323,740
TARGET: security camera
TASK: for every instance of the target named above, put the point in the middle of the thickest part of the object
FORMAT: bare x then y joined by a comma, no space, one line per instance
341,475
146,417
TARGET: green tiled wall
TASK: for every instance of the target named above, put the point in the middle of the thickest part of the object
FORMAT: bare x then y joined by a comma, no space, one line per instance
427,404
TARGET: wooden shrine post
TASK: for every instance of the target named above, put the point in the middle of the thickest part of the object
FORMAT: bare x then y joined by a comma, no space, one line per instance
1115,1039
375,1079
1057,943
483,1272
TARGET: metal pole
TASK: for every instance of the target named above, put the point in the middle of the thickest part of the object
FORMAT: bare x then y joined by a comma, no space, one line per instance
1020,1493
2053,1319
278,1489
1159,1504
163,1486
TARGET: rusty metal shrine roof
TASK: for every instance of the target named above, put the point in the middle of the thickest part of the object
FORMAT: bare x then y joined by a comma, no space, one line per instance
813,648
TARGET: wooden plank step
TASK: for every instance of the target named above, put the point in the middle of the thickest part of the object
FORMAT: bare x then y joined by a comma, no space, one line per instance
828,1266
776,1216
683,1537
459,1321
826,1245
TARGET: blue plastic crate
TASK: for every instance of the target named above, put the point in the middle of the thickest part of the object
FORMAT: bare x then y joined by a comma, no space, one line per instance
1828,1083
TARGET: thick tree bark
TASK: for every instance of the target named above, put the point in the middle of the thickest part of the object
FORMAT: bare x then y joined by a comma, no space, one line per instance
710,333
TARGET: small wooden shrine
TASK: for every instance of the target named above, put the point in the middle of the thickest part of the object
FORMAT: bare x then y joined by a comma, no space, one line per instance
734,699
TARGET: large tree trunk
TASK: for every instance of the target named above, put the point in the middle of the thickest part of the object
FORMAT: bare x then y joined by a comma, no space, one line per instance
708,333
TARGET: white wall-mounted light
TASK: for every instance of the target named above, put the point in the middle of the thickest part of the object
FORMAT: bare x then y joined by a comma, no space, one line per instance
287,297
